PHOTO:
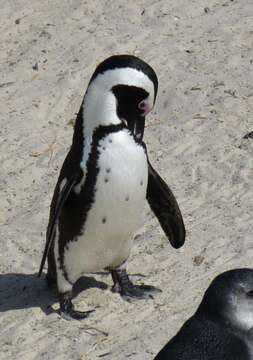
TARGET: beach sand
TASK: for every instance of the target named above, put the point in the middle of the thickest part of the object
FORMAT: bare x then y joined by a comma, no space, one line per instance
202,53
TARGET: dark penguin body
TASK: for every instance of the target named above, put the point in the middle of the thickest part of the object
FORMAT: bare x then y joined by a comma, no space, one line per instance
104,181
222,327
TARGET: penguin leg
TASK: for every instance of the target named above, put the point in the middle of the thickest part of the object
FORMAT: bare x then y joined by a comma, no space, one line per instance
67,308
65,290
124,286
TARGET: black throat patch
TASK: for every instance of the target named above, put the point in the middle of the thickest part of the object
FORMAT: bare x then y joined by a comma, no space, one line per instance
128,99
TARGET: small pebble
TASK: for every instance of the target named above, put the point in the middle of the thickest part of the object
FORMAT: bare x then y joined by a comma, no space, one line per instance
197,260
249,135
36,67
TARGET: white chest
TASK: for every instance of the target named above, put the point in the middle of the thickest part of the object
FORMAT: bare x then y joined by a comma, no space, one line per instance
118,206
123,174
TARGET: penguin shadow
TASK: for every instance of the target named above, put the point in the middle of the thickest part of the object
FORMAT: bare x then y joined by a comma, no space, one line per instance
23,291
88,282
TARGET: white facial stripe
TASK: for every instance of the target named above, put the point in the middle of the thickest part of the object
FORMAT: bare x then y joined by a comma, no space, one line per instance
125,76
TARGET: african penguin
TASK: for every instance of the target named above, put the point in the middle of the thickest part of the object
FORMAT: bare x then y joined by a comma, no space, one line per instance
222,327
99,197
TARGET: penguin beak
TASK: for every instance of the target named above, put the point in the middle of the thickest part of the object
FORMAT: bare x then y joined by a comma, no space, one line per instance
145,106
138,130
136,126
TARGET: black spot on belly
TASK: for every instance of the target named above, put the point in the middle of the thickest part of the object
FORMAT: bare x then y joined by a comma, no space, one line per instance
141,183
106,179
108,170
103,147
104,220
110,141
127,198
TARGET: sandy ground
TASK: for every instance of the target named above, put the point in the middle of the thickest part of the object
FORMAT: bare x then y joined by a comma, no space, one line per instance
202,53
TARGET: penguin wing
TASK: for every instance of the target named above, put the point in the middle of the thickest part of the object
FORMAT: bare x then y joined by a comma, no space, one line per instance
165,207
62,197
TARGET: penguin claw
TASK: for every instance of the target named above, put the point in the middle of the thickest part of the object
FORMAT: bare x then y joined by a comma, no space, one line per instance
75,315
67,309
139,292
150,288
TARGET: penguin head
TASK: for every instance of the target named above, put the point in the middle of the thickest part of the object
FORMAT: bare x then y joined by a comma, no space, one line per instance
122,89
229,300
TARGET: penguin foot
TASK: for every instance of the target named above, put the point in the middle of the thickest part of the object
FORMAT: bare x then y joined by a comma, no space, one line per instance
124,286
68,311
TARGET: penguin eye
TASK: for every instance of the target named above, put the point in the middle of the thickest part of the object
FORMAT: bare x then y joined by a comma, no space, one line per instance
144,106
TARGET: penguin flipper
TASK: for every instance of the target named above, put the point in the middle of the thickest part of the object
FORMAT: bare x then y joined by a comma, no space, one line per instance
165,207
62,197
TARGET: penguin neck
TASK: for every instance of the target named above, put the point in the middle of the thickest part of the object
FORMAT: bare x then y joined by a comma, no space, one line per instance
99,109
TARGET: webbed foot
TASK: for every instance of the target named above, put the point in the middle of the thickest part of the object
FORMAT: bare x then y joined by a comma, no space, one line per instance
124,286
67,308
